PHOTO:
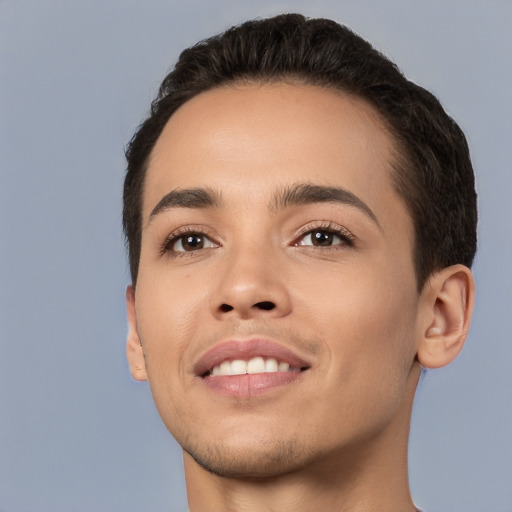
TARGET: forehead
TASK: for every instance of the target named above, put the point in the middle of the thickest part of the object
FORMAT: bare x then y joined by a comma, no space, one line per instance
250,138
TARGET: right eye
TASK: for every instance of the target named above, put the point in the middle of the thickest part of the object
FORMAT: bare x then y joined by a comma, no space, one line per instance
189,242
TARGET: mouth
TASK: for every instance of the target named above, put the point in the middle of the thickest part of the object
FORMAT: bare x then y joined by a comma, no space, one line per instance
249,367
254,365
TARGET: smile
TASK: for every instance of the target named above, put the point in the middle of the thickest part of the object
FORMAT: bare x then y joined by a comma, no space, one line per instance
248,368
240,357
254,365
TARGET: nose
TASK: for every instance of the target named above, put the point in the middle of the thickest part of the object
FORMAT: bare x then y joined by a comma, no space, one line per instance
252,284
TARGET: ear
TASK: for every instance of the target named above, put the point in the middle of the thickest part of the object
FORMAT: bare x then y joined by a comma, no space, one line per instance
447,302
134,350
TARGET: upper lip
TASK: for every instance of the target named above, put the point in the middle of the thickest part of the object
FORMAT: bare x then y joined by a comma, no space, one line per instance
247,349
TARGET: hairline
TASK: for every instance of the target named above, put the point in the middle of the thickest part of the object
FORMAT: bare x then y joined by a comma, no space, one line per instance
399,164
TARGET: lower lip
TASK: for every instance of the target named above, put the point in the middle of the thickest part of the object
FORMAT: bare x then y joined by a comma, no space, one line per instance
250,384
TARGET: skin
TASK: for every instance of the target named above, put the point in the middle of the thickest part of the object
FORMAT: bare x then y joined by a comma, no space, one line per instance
336,438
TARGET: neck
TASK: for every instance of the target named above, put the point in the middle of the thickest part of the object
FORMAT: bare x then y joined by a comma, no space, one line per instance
370,475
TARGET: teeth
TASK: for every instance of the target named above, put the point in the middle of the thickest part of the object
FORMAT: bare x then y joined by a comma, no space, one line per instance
271,365
254,365
238,367
224,368
284,367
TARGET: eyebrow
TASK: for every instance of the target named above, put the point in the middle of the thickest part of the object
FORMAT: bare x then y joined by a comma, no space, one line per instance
294,195
187,198
307,193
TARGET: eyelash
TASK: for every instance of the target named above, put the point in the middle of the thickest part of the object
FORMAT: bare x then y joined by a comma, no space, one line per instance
180,233
344,234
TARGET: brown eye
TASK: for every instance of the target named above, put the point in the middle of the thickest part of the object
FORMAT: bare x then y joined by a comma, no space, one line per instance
322,238
192,242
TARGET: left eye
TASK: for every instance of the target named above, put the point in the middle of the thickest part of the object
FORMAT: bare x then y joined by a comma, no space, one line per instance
321,238
192,242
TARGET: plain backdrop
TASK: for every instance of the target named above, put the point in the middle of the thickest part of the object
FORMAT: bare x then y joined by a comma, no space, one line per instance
76,78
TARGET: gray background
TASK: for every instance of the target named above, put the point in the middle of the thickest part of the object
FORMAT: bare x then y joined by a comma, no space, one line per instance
76,433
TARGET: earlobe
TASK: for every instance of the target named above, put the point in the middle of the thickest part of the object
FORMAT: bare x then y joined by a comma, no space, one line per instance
447,300
134,349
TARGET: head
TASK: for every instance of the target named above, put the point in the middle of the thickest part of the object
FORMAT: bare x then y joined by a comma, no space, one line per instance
292,198
432,169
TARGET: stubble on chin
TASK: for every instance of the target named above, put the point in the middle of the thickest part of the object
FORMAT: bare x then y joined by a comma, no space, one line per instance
268,460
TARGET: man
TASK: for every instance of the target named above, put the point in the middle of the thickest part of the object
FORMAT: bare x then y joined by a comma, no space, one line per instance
301,224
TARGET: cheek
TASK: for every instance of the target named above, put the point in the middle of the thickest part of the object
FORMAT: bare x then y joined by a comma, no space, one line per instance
167,321
387,311
168,302
167,313
367,322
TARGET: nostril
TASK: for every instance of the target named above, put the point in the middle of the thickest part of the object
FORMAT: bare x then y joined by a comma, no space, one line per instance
265,305
225,308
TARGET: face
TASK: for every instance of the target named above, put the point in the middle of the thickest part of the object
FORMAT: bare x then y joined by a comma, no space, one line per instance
276,299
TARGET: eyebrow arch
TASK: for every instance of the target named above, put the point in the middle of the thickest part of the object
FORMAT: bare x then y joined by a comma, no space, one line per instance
187,198
307,193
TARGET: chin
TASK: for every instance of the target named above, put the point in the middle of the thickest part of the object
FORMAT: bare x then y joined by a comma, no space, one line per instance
258,461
